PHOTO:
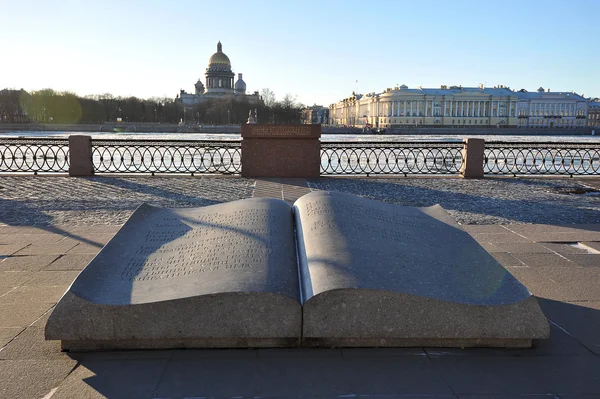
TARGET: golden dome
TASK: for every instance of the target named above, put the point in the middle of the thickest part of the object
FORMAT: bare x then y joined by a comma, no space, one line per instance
219,57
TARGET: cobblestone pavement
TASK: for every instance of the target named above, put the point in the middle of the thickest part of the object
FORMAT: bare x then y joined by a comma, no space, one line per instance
484,201
44,200
49,200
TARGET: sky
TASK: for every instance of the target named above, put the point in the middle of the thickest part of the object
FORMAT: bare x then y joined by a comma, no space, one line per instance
319,51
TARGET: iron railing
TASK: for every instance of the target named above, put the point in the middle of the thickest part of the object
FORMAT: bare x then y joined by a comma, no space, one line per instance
339,158
159,156
541,158
34,155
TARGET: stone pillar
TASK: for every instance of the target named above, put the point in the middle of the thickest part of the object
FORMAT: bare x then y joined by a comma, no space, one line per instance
472,158
80,156
451,102
281,150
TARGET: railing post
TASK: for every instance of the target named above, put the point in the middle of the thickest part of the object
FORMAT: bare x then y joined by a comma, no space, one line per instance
472,158
80,156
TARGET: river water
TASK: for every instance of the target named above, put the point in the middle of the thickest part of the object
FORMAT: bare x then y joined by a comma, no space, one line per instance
326,137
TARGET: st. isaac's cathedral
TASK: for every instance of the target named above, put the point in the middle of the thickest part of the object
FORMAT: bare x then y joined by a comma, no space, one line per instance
219,82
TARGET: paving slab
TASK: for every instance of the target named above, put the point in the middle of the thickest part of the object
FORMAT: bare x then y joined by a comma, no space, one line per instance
571,274
7,334
526,229
508,396
545,260
501,238
528,276
74,262
522,248
31,293
592,244
507,260
14,278
552,236
130,379
563,248
6,230
560,343
301,376
588,260
27,239
32,263
89,231
567,292
32,378
580,320
30,344
52,277
484,229
58,248
491,248
9,249
22,314
520,375
85,248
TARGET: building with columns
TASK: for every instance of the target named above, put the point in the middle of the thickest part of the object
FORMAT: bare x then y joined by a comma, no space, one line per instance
458,106
315,114
594,113
218,82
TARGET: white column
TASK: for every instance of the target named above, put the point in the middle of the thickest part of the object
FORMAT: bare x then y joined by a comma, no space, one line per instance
404,103
451,108
478,108
411,109
462,109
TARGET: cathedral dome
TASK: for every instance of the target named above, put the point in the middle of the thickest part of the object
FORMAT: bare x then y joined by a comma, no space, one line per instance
219,58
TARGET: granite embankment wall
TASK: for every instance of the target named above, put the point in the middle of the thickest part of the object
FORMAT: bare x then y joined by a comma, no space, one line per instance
174,128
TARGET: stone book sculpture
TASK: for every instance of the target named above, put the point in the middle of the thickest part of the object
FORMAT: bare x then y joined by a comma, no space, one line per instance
332,270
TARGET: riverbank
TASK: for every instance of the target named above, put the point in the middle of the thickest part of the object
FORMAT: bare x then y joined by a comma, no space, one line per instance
233,129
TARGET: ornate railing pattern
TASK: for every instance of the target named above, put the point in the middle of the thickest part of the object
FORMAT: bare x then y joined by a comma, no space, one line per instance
34,155
159,156
541,158
424,157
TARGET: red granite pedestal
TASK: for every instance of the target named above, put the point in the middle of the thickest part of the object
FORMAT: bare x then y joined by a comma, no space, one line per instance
281,150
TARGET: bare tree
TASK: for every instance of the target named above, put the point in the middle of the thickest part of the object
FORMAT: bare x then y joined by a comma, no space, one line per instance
268,97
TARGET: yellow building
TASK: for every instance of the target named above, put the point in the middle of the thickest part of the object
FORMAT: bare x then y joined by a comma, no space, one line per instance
594,113
458,106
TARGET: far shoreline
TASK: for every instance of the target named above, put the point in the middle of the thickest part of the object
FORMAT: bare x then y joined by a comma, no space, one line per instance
235,129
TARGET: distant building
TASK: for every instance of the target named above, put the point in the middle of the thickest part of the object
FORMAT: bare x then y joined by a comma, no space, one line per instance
219,83
458,106
593,119
315,114
544,108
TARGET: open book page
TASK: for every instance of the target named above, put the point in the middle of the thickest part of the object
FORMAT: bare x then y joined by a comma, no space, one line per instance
219,276
348,242
162,254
